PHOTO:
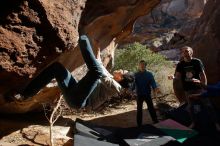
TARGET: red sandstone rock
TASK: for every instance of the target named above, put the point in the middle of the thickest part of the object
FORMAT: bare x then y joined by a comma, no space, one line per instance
35,33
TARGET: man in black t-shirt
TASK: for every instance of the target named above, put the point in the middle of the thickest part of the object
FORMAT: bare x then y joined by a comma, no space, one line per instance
190,71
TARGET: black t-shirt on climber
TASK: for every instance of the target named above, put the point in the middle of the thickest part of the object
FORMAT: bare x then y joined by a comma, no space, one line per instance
188,71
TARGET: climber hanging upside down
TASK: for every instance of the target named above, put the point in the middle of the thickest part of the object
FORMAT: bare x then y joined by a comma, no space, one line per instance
76,93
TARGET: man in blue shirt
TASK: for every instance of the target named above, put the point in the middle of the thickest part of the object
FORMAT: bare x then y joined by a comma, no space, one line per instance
144,81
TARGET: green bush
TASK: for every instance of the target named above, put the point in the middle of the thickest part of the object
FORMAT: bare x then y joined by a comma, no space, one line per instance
128,57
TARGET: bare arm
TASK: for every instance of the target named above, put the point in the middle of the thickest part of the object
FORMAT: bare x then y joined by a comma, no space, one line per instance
177,75
203,78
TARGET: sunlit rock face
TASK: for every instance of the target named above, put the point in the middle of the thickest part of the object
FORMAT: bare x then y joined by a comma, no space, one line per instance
34,34
157,28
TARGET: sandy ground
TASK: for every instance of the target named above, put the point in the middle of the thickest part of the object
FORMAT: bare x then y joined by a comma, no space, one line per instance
33,129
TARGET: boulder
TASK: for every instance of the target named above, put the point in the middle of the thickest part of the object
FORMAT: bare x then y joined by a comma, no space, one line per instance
36,33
